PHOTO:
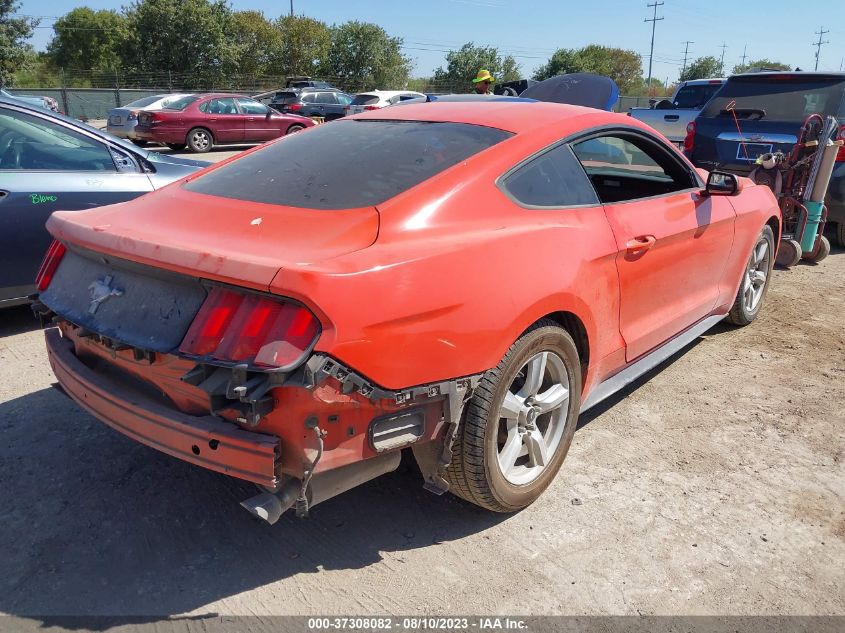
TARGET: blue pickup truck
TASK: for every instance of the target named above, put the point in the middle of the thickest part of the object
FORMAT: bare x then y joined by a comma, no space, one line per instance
770,108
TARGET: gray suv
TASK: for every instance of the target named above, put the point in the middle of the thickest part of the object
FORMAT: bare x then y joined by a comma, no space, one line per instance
328,103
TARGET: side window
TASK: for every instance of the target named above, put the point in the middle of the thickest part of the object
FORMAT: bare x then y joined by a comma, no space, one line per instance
309,97
250,106
344,99
326,97
406,97
623,167
222,106
29,142
553,179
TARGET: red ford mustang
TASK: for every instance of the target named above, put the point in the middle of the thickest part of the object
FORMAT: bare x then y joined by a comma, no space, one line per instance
461,279
201,121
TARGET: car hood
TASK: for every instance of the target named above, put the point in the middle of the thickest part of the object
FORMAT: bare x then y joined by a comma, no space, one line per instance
157,158
243,243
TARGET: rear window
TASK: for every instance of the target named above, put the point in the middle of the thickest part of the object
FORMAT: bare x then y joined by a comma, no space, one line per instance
141,103
181,103
790,98
365,100
285,97
695,96
347,164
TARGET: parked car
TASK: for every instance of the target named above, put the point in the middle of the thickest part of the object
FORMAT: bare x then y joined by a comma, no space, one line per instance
307,82
671,116
203,121
49,161
121,121
48,103
312,102
770,108
459,279
376,99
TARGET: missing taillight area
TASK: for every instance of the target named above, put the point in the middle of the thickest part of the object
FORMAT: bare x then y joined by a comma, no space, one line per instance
49,265
235,327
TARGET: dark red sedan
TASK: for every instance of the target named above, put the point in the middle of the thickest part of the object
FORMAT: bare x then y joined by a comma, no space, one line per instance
202,121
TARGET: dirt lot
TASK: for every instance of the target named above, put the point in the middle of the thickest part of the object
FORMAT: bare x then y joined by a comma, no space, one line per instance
716,486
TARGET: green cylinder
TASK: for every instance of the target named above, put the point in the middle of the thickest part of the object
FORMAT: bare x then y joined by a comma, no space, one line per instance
814,216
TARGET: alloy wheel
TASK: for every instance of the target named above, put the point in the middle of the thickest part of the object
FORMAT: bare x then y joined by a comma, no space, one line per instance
754,282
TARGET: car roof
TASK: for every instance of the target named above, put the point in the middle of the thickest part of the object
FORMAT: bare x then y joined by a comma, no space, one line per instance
789,73
389,93
512,115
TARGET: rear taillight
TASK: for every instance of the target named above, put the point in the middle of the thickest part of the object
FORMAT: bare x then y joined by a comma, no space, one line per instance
245,328
689,139
49,265
840,155
370,107
293,107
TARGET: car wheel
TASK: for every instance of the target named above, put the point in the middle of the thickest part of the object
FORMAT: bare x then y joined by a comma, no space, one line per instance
840,233
519,423
820,252
789,253
755,280
139,142
293,129
176,147
200,140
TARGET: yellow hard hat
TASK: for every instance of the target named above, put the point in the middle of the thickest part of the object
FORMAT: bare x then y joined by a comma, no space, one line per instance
483,75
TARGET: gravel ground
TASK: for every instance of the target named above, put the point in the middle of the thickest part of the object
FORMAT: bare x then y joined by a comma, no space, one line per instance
715,486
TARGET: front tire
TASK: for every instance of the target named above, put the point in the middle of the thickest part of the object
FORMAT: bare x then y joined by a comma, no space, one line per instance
755,280
293,129
519,423
200,140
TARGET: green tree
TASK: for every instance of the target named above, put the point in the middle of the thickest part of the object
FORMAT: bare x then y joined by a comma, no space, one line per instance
88,39
702,68
363,56
14,33
462,65
256,41
36,72
303,46
761,63
187,37
623,66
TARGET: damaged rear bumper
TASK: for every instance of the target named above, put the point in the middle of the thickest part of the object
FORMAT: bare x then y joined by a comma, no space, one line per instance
206,441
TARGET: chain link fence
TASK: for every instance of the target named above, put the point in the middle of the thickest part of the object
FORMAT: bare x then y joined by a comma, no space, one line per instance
91,94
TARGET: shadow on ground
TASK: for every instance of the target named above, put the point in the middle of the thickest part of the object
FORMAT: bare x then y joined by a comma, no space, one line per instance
17,320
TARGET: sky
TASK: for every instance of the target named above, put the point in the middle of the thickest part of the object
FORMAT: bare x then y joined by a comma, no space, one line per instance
531,30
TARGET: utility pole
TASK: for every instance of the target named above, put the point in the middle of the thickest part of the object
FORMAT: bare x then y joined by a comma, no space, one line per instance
686,52
722,61
291,8
744,48
654,20
818,44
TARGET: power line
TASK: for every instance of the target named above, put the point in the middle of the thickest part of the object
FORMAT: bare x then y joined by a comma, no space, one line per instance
654,20
686,52
818,44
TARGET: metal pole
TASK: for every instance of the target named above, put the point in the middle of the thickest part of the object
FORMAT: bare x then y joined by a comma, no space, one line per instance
818,44
686,53
722,61
291,8
744,48
654,20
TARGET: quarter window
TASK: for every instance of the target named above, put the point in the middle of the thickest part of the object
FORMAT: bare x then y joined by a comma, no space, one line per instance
250,106
628,167
553,179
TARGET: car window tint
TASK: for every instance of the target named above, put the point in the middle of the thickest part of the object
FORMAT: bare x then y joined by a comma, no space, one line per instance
181,103
326,97
406,97
623,167
347,164
695,96
344,99
553,179
251,106
28,142
309,97
365,99
777,97
221,106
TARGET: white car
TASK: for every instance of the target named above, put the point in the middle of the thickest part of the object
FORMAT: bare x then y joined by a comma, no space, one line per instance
376,99
122,121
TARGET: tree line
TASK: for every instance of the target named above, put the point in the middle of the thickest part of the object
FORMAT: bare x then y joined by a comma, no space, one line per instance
207,43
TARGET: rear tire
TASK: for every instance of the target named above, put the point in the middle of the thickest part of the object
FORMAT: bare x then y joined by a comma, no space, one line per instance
200,140
820,252
755,279
518,425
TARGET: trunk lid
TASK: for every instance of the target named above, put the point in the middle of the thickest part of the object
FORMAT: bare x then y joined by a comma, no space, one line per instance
239,242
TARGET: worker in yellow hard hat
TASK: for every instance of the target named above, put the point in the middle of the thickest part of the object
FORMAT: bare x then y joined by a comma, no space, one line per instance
483,82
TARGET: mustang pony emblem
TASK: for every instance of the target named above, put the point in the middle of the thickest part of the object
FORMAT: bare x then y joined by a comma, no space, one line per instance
100,290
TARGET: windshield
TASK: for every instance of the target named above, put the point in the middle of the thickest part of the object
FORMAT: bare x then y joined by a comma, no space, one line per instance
181,103
347,164
778,97
695,96
142,103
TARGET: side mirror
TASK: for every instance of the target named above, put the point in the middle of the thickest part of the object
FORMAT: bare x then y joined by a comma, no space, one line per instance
269,113
720,183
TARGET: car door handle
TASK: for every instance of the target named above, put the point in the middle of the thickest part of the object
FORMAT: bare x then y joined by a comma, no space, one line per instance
640,244
671,117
